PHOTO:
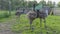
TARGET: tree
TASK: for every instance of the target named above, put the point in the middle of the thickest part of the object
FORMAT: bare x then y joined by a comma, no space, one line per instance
58,4
30,3
4,4
50,4
42,2
54,4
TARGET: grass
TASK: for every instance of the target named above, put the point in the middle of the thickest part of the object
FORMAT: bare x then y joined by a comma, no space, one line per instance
22,24
4,16
52,22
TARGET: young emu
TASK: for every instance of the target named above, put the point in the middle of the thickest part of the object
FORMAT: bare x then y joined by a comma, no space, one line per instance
19,12
41,14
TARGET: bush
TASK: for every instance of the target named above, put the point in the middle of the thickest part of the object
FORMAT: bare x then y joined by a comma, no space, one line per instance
4,15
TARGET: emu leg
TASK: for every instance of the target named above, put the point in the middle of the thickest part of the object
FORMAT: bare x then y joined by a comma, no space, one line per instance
40,26
31,24
45,23
45,26
18,19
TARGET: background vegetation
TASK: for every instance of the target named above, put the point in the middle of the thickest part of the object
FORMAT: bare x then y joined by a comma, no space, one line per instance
21,25
4,4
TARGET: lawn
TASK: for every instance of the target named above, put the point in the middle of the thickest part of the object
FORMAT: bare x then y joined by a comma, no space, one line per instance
22,24
4,15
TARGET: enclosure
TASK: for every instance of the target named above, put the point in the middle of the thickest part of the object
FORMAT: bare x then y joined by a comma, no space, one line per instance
56,11
12,24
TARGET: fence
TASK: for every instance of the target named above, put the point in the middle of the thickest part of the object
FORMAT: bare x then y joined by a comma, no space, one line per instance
56,11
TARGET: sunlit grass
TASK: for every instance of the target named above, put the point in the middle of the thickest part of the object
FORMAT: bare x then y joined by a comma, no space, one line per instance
22,24
52,22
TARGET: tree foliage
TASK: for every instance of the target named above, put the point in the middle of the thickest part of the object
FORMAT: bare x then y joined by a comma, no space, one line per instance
42,2
51,4
4,4
58,4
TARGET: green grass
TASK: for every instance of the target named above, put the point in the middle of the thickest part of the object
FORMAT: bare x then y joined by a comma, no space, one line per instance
4,15
22,25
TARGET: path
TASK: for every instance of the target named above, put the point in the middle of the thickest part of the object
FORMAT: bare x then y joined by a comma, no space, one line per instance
5,27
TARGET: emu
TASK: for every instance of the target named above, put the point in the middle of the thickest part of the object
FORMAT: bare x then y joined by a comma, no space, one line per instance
19,12
33,14
41,14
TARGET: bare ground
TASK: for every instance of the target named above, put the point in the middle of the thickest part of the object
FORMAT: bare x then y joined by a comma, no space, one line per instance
5,28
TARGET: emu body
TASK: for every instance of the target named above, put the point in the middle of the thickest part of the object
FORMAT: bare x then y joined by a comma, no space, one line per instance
33,14
41,14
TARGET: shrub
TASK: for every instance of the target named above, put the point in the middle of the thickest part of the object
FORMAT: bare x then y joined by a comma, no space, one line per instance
4,15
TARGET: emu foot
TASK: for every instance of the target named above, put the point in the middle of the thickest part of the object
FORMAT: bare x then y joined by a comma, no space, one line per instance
32,29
